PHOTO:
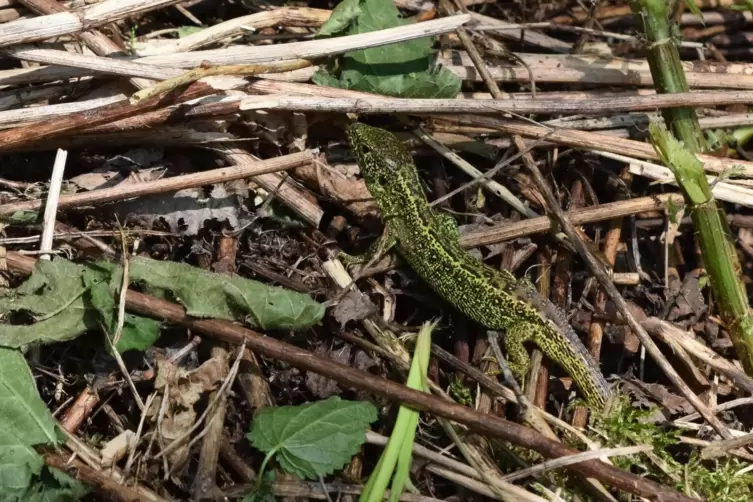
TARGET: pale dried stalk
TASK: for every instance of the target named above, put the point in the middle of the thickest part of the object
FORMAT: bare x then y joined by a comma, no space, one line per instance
722,190
549,465
592,141
495,106
602,212
501,491
95,40
36,113
285,16
65,23
175,183
51,207
311,49
673,335
98,64
158,67
595,69
546,69
527,35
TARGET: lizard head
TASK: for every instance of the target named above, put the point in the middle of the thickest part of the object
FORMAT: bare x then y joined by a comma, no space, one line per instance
385,164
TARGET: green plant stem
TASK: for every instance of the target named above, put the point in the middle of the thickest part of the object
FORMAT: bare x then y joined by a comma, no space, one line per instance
260,475
397,455
715,240
667,72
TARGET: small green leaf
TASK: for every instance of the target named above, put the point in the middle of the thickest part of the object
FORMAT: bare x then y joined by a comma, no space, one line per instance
25,422
686,167
55,295
313,439
22,218
104,280
262,493
184,31
405,70
693,7
51,486
206,294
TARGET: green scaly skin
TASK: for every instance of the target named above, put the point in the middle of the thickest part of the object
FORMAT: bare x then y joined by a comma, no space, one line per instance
428,241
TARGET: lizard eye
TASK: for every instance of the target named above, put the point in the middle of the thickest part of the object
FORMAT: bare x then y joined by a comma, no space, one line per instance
382,179
365,150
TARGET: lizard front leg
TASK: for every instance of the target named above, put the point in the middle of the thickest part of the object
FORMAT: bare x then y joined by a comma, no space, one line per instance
376,250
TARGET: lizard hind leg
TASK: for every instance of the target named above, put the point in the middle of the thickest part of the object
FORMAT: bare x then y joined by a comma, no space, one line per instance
517,355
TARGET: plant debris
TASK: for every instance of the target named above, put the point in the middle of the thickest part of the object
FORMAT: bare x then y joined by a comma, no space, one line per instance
177,321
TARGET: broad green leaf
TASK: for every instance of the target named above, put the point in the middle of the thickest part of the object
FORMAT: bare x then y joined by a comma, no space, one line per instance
69,299
55,295
51,486
25,422
104,280
406,70
313,439
206,294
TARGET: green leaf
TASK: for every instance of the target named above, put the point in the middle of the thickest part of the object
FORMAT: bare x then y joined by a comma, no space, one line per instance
55,294
693,7
51,486
686,167
22,218
68,300
406,70
262,493
313,439
25,422
206,294
184,31
104,280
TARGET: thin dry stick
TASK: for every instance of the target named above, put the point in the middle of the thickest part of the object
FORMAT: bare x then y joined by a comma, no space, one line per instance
95,40
478,177
199,73
283,16
139,429
672,335
51,208
606,283
540,106
123,286
549,465
124,370
719,448
496,490
588,140
602,212
172,184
